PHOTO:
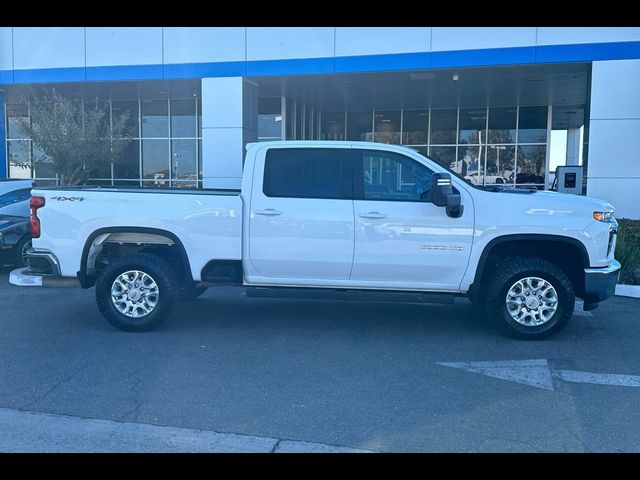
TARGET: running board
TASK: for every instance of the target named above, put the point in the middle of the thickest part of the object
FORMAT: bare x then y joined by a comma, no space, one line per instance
350,294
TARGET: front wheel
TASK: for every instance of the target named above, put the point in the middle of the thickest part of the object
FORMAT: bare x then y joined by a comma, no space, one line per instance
136,293
530,297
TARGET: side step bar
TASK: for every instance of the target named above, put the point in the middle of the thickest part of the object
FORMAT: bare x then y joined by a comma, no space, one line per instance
350,295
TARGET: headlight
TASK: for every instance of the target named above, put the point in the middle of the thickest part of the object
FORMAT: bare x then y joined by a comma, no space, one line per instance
603,216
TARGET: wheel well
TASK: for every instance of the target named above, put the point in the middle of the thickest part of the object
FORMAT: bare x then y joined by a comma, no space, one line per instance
567,255
105,245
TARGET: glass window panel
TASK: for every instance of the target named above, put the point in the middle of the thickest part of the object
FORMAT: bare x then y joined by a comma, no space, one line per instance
299,121
424,150
45,183
532,125
126,183
270,126
443,126
42,164
185,184
500,163
290,120
183,118
387,126
127,165
14,114
415,125
199,107
473,122
502,125
185,165
307,173
530,165
102,108
445,156
269,105
200,159
308,115
391,176
102,183
155,161
19,155
129,107
470,163
360,126
332,126
155,118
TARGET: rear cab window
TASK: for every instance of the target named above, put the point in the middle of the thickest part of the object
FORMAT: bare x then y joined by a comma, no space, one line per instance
308,173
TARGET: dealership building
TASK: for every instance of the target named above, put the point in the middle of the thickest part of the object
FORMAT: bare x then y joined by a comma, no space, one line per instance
499,105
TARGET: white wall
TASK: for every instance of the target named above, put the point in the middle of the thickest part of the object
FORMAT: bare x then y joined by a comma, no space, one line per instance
124,46
472,38
381,40
6,48
229,121
50,47
203,44
614,135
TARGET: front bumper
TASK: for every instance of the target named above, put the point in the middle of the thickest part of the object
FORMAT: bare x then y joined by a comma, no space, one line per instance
600,283
41,261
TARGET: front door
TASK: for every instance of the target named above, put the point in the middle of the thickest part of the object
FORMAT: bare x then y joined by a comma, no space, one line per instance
402,241
301,216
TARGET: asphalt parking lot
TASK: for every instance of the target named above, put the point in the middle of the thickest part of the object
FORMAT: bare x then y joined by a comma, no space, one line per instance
382,377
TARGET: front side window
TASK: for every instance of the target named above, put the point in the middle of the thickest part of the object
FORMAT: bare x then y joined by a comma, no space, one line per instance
390,176
307,173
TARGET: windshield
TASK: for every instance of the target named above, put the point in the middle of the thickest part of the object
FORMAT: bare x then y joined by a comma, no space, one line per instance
452,172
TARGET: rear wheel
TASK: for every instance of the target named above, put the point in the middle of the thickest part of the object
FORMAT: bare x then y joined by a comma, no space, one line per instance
136,293
530,298
21,248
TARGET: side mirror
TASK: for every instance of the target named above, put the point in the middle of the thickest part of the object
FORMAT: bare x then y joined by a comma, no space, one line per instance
442,195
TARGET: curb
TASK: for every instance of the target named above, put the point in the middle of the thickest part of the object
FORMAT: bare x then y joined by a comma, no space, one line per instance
21,277
623,290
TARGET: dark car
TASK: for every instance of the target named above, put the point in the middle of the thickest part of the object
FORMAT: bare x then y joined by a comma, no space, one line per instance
15,240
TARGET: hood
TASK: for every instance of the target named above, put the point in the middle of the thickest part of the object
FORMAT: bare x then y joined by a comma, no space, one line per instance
588,203
535,202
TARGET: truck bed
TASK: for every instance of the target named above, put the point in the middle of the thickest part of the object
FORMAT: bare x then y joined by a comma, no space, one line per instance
207,222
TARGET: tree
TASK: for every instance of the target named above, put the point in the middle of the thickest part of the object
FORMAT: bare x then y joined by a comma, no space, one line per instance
74,139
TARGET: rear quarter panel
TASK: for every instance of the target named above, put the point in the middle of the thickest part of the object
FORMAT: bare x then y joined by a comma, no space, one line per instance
208,225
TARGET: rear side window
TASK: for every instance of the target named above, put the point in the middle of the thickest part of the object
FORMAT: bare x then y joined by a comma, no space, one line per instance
308,173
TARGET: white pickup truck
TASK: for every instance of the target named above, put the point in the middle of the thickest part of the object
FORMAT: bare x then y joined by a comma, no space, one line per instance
348,220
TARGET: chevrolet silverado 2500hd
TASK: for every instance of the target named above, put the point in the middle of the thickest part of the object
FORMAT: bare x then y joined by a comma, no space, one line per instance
341,219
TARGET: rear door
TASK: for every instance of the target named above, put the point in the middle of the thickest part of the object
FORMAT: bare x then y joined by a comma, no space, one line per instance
301,216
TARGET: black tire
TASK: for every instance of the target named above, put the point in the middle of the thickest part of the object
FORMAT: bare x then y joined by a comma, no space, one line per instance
158,270
19,260
191,293
506,275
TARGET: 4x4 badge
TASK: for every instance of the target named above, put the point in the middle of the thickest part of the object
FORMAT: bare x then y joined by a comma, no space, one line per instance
69,199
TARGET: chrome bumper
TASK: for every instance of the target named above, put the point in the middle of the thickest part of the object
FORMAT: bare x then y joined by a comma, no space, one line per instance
600,283
38,257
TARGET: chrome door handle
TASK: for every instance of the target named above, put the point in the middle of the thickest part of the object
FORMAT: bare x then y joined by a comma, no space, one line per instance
270,212
373,215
